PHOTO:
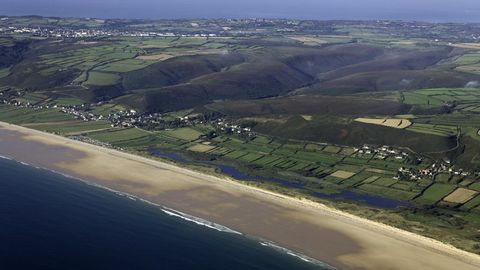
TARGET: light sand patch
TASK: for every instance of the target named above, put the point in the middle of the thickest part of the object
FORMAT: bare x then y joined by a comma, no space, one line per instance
387,122
460,195
404,42
466,45
156,57
342,174
307,117
375,170
201,148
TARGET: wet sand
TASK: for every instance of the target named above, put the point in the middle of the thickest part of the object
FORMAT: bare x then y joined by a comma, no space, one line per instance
331,236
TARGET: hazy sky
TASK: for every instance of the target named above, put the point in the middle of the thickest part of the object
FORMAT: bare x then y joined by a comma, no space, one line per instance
427,10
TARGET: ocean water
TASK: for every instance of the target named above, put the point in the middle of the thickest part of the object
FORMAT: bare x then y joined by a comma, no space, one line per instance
48,221
424,10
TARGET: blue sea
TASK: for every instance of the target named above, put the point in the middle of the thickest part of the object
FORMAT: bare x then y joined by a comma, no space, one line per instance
48,221
423,10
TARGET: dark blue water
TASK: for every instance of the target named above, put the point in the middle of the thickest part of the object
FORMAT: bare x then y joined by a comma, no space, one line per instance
167,155
367,199
424,10
49,221
347,195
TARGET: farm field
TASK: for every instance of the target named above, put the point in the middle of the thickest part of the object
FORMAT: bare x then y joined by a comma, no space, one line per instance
435,193
460,196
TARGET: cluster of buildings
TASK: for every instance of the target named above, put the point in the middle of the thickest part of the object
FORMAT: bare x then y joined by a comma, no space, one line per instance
223,126
382,152
62,32
78,113
57,32
93,141
430,172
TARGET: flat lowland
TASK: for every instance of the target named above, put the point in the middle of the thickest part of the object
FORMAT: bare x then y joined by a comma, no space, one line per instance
387,122
323,233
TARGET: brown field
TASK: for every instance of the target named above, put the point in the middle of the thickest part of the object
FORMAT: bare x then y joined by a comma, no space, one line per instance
471,69
307,117
404,42
342,174
374,170
156,57
201,148
387,122
467,45
460,195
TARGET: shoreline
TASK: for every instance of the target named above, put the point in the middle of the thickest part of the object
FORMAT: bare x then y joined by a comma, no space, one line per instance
183,216
295,203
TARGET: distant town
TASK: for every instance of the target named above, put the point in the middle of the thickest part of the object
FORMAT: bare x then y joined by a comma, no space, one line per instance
97,28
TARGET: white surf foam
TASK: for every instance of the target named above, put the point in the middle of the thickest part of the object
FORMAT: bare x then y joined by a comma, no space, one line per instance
295,254
198,221
4,157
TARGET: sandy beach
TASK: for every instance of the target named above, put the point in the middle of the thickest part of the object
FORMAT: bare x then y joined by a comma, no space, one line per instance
331,236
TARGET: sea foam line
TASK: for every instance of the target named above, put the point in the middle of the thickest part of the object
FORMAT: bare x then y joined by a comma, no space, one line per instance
295,254
198,221
5,157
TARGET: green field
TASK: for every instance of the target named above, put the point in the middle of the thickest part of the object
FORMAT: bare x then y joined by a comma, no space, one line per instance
27,115
187,134
101,78
74,127
119,135
435,193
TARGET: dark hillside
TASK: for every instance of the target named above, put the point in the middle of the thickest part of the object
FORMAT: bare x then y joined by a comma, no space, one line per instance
395,69
330,58
347,132
311,105
10,55
392,59
389,80
247,81
178,70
